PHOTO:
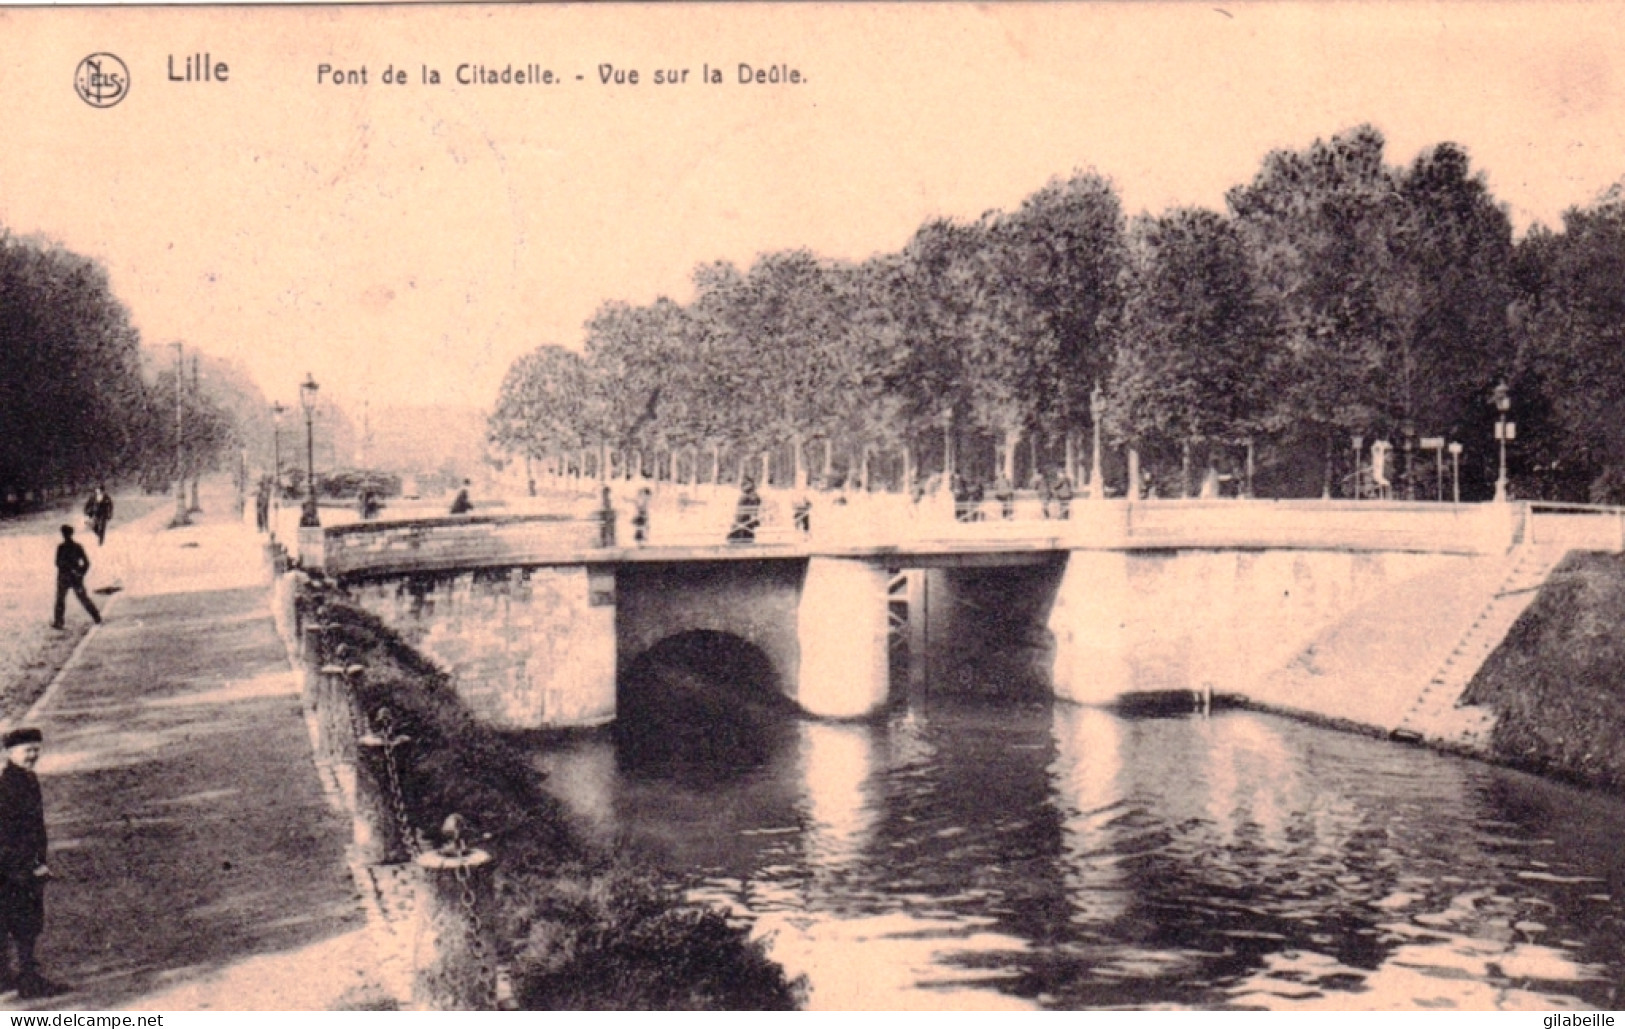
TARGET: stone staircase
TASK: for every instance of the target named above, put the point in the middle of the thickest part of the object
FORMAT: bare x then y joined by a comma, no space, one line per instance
1437,714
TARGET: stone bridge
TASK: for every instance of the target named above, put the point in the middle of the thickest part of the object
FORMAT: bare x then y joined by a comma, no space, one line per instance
537,621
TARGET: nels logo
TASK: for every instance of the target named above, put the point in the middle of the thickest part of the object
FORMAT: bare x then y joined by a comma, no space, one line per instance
101,80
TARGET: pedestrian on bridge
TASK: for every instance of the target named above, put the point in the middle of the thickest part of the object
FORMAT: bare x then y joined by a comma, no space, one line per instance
640,517
262,505
964,509
71,565
606,519
747,515
462,505
23,871
1005,493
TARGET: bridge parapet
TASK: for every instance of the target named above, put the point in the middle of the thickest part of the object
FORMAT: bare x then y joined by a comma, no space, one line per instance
445,543
893,527
1319,524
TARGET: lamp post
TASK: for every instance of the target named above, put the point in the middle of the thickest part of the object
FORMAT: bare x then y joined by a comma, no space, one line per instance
1410,445
1251,446
1455,473
181,517
1359,444
195,507
1504,430
276,448
1097,407
308,518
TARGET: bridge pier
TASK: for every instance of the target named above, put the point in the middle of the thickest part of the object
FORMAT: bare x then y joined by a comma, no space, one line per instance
1092,636
842,628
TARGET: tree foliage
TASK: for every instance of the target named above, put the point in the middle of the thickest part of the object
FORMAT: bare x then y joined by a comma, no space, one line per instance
1338,296
78,404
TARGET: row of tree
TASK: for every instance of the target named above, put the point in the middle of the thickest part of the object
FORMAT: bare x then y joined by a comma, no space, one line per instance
1337,297
80,401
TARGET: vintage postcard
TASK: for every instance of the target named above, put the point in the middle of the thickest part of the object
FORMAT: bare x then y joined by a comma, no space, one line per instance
813,506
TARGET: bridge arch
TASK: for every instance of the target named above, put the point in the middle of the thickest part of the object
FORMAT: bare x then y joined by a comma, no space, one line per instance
755,602
700,702
722,663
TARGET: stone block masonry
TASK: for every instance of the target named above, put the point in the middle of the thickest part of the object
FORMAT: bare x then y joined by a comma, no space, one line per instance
526,647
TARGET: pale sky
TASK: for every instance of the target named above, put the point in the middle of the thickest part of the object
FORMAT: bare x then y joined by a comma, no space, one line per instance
405,243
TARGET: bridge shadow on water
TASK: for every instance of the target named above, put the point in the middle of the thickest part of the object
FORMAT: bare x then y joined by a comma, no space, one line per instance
700,707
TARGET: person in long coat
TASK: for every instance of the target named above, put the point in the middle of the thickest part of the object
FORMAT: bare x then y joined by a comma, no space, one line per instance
23,871
747,514
98,512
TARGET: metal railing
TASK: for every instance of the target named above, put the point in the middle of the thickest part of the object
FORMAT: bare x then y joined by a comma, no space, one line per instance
1577,526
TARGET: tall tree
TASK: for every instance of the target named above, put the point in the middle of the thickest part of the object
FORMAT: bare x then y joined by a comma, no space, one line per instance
71,390
1194,363
1570,317
1066,246
544,405
1389,286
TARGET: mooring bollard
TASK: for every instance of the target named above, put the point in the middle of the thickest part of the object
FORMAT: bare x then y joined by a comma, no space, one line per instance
310,649
454,967
327,693
310,642
346,724
383,832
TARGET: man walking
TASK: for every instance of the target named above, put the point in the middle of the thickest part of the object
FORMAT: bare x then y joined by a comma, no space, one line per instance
71,566
23,871
98,512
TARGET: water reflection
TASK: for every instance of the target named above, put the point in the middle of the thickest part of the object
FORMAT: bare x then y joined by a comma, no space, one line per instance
836,764
987,855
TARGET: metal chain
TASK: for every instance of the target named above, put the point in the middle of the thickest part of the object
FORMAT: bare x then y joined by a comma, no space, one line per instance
471,916
397,799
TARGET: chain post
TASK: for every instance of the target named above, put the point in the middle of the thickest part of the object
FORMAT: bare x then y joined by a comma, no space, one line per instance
391,742
380,827
326,693
453,966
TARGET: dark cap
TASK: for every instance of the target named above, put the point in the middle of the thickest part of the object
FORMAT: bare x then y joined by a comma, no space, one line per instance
18,737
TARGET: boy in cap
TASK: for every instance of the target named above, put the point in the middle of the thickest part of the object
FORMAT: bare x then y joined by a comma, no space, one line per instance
23,871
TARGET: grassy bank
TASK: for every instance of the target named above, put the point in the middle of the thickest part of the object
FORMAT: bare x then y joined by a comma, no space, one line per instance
578,928
1558,680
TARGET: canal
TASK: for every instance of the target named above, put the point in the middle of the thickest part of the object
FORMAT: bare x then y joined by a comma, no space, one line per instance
1038,855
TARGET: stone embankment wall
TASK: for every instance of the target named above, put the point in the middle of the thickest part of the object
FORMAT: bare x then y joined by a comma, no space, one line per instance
531,647
1151,621
522,912
1557,681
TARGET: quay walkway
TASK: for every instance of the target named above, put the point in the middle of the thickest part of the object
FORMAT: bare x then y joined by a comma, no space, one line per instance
198,863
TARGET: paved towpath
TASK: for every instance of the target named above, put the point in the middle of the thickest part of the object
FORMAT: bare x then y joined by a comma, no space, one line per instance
198,862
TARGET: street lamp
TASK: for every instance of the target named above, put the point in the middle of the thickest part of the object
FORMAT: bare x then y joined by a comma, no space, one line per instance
1504,430
1097,407
1359,444
308,518
195,508
181,517
1455,473
1410,444
277,411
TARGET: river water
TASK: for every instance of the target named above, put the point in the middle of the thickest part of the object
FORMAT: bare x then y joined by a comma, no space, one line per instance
1036,855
